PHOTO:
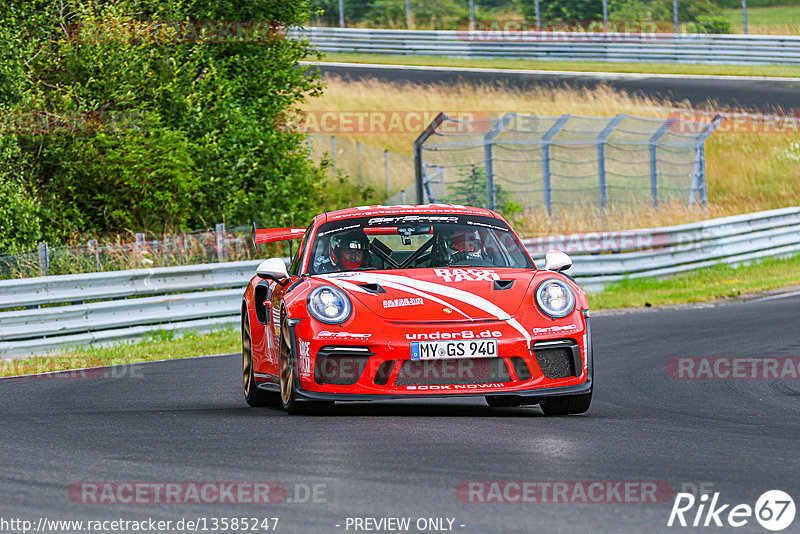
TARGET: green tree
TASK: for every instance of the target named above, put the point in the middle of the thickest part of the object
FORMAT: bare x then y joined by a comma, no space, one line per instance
157,115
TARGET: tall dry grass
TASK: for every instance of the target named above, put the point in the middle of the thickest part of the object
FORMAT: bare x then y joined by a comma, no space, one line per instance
746,172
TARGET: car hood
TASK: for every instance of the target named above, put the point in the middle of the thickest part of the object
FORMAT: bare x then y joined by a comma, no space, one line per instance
438,295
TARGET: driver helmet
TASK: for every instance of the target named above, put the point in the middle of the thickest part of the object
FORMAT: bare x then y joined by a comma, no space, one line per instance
349,250
468,242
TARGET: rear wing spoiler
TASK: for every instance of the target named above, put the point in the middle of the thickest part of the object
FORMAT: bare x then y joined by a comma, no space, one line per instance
270,235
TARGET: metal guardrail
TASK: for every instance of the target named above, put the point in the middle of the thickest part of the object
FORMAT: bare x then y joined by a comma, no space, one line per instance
178,299
586,46
202,297
602,258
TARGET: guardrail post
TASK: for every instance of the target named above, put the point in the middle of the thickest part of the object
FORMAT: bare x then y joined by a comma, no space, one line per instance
220,233
653,155
602,138
141,242
546,140
44,259
418,142
488,156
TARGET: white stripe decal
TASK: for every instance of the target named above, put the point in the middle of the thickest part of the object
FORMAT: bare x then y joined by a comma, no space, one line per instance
409,289
457,294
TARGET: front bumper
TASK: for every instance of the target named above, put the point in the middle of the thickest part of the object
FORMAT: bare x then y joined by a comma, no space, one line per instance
393,354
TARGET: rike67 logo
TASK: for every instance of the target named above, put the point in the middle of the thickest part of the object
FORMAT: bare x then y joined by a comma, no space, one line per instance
774,510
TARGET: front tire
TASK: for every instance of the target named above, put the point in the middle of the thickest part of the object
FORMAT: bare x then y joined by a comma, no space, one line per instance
566,405
289,400
254,396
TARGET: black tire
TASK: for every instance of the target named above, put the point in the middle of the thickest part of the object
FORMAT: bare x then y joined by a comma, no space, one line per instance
288,396
566,405
255,397
503,401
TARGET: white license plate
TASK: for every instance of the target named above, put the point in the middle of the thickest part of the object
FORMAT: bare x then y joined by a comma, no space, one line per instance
474,348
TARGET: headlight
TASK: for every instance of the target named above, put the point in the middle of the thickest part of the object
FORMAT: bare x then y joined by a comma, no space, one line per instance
555,298
329,305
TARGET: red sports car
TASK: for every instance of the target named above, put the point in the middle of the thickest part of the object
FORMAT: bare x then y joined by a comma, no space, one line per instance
437,300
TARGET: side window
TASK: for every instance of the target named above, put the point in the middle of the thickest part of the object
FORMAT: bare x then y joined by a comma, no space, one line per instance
294,268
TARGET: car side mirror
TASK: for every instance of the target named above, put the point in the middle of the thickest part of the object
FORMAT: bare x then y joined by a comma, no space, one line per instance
557,261
273,269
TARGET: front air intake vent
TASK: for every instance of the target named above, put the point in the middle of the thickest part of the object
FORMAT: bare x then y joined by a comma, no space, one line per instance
340,365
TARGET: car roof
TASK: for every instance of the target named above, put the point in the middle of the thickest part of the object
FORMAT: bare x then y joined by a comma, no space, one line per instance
373,211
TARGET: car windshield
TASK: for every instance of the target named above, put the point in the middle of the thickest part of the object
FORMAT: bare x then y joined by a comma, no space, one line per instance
414,242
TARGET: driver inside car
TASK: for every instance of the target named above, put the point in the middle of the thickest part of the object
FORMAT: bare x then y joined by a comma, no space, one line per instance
347,251
465,245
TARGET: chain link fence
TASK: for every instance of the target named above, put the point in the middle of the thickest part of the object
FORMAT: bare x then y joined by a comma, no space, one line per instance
391,175
525,161
135,251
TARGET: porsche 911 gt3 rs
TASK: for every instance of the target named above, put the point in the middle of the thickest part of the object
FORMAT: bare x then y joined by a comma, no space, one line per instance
414,301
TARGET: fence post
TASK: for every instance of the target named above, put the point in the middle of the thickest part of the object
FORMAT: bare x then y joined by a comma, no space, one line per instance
333,152
536,14
546,140
488,156
358,150
418,142
744,15
605,16
386,164
699,179
653,155
602,138
44,259
341,13
409,23
94,245
675,21
220,232
141,242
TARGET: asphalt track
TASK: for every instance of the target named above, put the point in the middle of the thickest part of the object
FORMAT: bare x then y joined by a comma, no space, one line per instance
186,421
724,93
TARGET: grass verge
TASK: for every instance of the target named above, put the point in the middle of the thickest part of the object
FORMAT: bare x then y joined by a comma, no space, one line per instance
773,20
161,345
717,282
573,66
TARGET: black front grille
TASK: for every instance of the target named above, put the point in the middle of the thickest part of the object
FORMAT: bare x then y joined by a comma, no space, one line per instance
556,362
455,371
340,365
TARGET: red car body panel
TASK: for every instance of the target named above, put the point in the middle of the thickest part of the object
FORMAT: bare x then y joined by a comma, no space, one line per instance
394,308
